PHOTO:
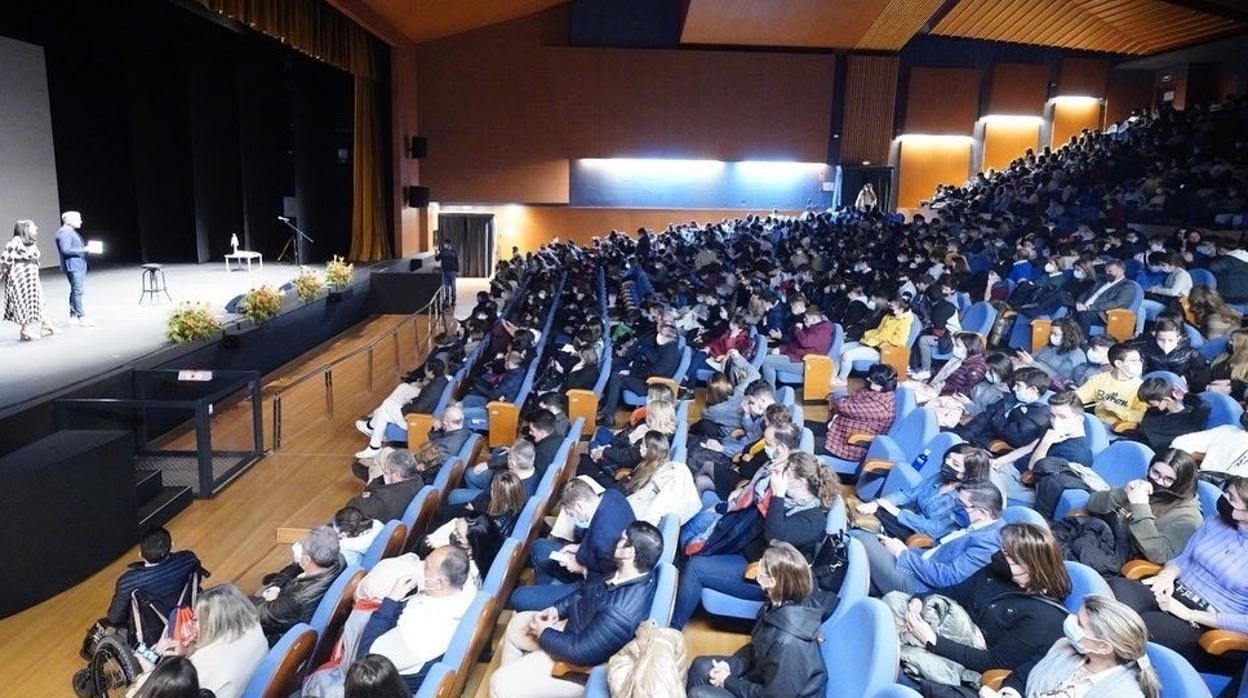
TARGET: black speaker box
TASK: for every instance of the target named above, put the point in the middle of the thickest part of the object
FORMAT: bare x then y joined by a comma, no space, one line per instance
417,197
417,148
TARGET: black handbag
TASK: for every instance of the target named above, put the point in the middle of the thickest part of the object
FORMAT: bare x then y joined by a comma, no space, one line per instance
831,562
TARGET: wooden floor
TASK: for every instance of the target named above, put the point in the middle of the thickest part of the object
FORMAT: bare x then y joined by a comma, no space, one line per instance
300,485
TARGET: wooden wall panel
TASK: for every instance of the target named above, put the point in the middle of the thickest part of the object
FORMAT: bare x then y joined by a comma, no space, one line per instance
870,101
1128,90
1019,88
1069,118
942,101
1004,141
927,162
1084,77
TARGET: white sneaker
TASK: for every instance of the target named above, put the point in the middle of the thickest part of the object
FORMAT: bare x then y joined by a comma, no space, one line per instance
368,453
362,426
85,322
920,375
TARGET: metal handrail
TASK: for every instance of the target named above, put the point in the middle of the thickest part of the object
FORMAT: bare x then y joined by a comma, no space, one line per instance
326,370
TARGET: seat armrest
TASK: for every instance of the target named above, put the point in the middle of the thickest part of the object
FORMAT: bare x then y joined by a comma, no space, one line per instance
1139,569
1219,642
1124,427
995,678
859,439
920,540
877,466
504,420
998,447
418,426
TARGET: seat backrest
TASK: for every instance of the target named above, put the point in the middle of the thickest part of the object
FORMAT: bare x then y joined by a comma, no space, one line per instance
449,474
466,643
786,395
806,442
874,652
526,523
507,552
979,318
669,528
686,358
1223,409
915,328
1170,377
282,669
418,513
1084,581
1203,277
388,543
664,600
1194,337
1208,494
1022,514
896,690
1098,436
837,519
904,403
1213,348
1122,462
1177,677
916,429
857,582
838,340
333,610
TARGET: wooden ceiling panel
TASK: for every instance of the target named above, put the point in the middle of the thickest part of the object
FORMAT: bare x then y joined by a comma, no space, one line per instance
1113,26
791,23
424,20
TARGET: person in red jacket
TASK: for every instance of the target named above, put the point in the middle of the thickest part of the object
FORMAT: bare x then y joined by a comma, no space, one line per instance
716,351
813,335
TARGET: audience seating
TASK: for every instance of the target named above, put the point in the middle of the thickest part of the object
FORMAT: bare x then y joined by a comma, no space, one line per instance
281,672
333,610
902,444
1084,582
1178,679
902,475
419,513
583,404
1122,462
388,543
469,639
817,369
978,318
874,652
1223,410
674,381
439,682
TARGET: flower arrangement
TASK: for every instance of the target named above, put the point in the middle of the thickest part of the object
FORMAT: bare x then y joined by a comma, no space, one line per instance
308,283
260,304
338,273
191,322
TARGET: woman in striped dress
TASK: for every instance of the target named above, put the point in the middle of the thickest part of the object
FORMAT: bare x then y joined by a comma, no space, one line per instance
23,293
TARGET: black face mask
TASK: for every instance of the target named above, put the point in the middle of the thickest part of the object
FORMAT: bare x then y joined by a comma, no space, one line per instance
1164,494
1000,566
1227,511
948,474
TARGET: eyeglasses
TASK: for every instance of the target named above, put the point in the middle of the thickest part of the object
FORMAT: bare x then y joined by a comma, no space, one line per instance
1159,478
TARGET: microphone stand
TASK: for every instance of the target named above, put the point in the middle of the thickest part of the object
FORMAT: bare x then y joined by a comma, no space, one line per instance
294,238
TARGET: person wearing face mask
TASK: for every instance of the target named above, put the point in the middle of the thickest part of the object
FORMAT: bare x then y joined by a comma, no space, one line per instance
956,556
812,335
959,375
928,507
558,565
1114,292
782,657
893,330
1161,511
662,362
1114,394
866,411
1063,355
584,628
1172,412
1229,267
1176,282
1203,587
790,499
1015,602
291,596
1171,351
1097,353
386,497
1103,653
413,631
1019,419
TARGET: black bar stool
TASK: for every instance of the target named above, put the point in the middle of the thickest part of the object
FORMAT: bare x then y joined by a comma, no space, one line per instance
153,283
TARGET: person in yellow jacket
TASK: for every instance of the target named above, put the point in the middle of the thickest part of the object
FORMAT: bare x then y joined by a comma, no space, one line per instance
893,330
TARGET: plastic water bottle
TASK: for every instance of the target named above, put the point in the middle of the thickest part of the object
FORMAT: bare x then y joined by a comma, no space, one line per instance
921,460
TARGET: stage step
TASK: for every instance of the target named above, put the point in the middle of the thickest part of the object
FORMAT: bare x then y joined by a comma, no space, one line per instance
147,485
165,506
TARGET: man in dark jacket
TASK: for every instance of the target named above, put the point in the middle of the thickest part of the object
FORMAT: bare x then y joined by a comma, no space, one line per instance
449,434
387,497
448,258
1018,419
782,658
1171,413
160,577
557,565
291,596
584,628
1115,292
1169,350
501,388
663,362
1230,270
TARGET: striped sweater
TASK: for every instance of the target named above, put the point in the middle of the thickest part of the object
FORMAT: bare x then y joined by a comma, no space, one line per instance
1212,567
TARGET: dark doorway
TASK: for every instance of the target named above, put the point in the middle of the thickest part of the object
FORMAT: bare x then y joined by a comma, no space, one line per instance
472,235
880,178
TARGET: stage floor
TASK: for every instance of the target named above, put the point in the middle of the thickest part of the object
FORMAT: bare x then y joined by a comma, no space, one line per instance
124,330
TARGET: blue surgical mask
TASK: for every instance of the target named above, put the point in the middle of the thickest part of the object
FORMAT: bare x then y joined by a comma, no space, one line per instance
1023,397
962,517
1074,633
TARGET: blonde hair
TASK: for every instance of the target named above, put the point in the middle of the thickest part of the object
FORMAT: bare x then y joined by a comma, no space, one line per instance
822,480
224,613
1123,629
657,449
1238,358
718,388
661,416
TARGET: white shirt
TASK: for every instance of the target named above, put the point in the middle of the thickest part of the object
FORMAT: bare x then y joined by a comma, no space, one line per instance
1225,448
225,667
424,629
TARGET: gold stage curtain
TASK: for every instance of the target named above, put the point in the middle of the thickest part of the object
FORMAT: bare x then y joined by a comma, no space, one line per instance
370,220
318,30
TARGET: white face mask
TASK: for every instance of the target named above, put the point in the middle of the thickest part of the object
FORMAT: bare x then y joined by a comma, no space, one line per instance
296,551
959,351
1055,340
1079,274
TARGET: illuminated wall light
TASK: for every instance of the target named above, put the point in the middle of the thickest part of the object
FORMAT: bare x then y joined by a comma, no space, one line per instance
1075,100
655,167
776,168
1013,119
934,139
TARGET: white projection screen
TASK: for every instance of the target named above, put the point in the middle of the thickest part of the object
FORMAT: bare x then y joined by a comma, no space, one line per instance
27,158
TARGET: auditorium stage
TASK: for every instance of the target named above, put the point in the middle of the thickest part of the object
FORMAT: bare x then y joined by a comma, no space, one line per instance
124,330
